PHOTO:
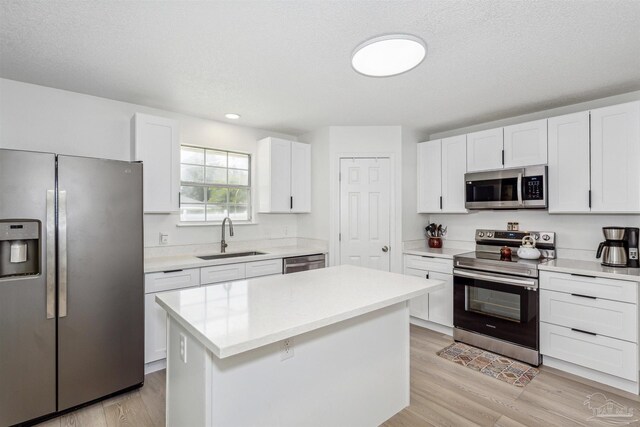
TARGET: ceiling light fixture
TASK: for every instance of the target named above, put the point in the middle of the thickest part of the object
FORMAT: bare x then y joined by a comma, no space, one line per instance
388,55
232,116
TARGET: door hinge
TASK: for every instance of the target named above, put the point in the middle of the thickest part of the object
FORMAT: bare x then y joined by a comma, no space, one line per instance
502,157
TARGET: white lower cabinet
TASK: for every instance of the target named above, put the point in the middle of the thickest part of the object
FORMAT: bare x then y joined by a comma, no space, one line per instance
155,323
222,273
597,352
263,268
436,307
590,325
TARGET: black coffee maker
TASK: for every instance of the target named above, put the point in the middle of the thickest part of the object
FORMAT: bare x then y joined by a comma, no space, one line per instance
631,245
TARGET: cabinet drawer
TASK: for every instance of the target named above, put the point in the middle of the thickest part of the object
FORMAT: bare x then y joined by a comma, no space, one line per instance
222,273
597,352
170,280
264,268
604,317
440,265
616,290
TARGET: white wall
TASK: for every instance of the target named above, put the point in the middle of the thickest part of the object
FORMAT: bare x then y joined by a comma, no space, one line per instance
578,235
39,118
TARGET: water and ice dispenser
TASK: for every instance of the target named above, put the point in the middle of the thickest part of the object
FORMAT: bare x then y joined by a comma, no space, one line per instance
19,247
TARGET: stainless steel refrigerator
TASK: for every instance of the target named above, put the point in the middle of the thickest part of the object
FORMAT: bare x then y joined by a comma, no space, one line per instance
71,282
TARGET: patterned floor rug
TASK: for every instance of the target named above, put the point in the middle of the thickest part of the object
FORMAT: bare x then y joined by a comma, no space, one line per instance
494,365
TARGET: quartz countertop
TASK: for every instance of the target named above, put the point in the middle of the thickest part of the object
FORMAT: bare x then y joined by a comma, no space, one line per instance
448,253
236,317
166,263
590,268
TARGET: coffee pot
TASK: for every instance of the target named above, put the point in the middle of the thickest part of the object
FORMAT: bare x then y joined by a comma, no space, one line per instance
612,250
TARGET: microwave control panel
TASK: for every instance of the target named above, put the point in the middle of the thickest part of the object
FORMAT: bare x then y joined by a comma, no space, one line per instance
533,187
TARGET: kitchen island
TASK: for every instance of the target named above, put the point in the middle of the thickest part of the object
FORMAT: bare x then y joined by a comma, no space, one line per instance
316,348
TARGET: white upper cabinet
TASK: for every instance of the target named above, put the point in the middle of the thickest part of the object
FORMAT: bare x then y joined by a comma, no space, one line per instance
454,166
429,176
156,143
615,158
441,169
569,177
284,176
525,144
300,177
484,150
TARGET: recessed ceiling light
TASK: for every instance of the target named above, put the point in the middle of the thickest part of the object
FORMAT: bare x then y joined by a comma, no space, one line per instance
388,55
232,116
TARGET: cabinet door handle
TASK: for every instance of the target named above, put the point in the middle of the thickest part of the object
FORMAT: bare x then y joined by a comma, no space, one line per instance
584,296
502,157
172,271
291,202
427,276
440,202
589,198
584,332
583,275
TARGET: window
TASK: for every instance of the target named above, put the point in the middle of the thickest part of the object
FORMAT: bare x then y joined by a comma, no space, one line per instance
214,184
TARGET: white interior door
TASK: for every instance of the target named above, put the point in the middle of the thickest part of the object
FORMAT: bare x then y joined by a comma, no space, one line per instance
365,212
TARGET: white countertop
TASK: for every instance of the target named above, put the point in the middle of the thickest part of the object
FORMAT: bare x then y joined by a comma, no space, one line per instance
236,317
590,268
448,253
176,262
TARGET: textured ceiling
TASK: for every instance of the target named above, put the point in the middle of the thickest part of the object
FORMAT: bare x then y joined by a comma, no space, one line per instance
285,65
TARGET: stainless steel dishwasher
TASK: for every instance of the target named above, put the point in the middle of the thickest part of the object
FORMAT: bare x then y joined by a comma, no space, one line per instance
303,263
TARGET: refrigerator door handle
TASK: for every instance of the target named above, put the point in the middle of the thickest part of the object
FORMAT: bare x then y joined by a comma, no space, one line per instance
51,254
62,254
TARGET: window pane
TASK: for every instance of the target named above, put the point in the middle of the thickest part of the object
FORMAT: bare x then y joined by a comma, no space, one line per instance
217,195
191,173
238,196
190,194
238,212
192,155
237,177
217,158
239,161
216,212
192,213
216,176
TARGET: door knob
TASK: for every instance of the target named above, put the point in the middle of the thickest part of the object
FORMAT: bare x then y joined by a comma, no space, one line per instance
385,249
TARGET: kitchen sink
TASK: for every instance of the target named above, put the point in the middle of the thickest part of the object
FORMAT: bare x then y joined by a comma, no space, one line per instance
232,255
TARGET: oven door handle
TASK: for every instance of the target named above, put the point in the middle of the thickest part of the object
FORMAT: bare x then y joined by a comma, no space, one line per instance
533,284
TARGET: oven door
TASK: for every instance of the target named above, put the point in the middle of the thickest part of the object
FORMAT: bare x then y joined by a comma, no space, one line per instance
496,305
494,189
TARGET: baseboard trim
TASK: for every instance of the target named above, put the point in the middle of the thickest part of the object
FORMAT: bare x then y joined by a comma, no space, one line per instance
155,366
446,330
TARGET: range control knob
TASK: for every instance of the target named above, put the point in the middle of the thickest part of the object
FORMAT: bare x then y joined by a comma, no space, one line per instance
489,234
536,236
480,234
546,237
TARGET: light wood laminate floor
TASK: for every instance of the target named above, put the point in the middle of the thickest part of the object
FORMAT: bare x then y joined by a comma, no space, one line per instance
442,394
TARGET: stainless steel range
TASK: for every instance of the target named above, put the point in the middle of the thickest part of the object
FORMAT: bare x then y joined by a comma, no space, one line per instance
495,297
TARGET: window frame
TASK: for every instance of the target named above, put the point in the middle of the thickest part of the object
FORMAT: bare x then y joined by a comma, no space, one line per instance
206,186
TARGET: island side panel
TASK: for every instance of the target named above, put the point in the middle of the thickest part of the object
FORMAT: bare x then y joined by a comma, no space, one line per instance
188,391
353,373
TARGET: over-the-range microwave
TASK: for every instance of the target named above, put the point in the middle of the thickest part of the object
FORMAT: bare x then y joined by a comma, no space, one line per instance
518,188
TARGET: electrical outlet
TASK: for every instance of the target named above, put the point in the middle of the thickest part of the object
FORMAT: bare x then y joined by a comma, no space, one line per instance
164,239
183,348
286,349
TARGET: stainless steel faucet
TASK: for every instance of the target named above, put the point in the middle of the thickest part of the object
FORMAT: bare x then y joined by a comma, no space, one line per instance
223,244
